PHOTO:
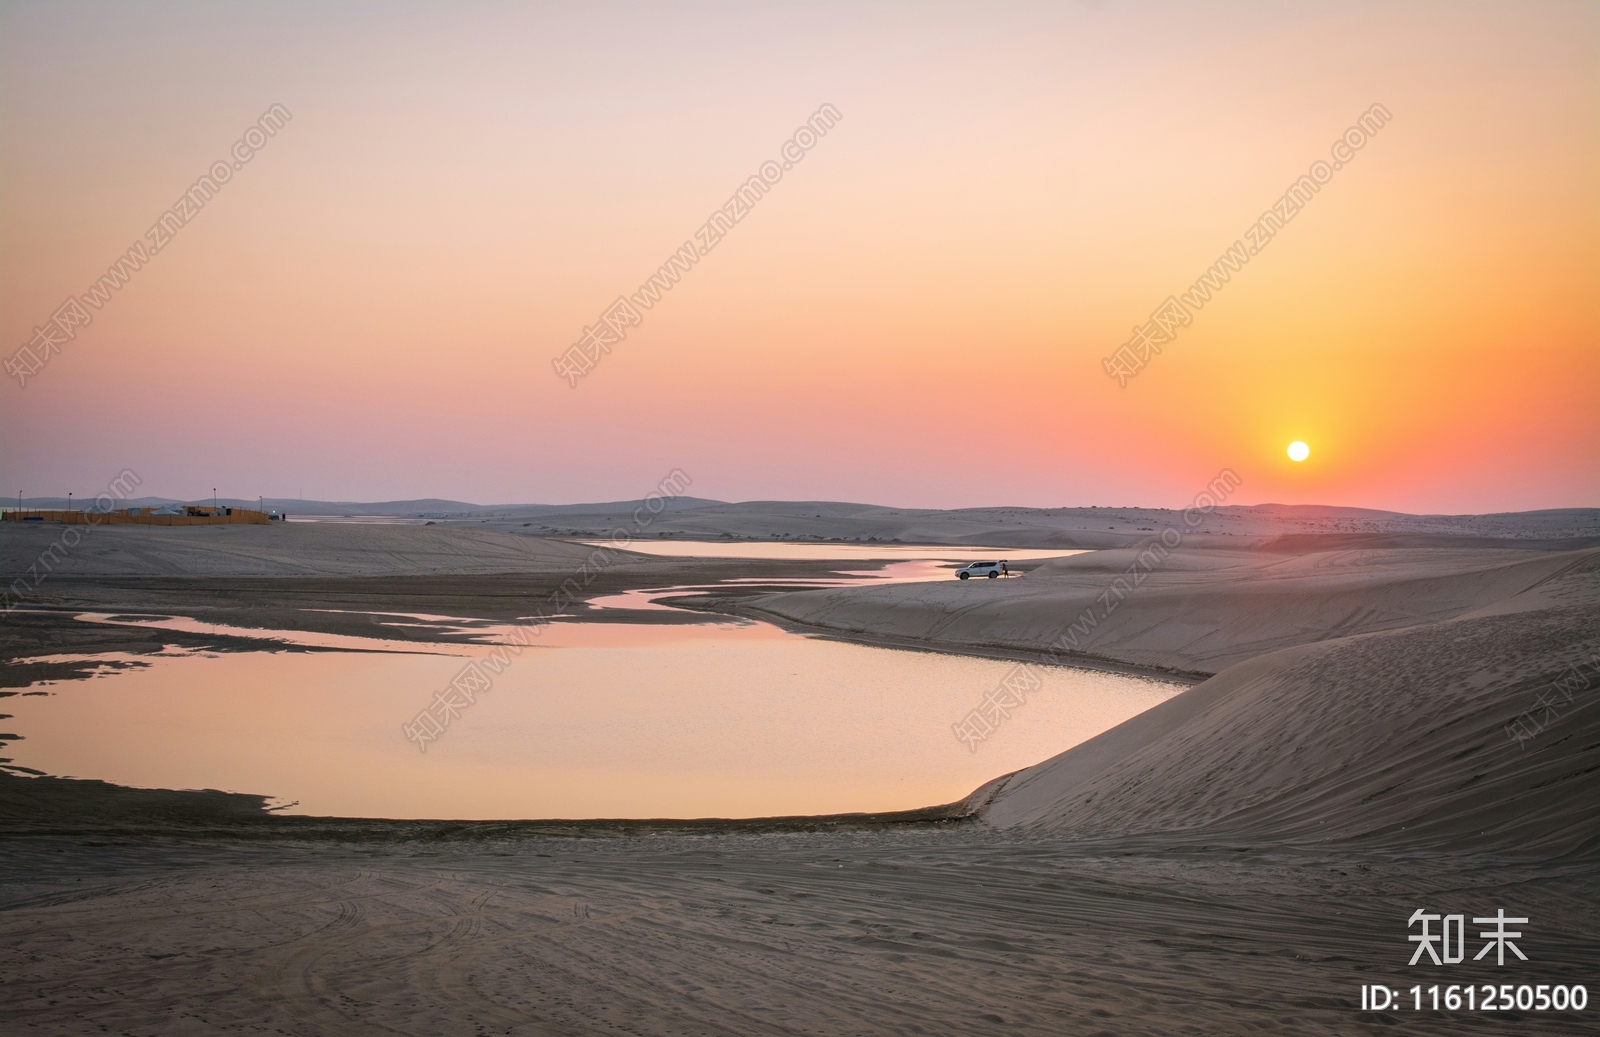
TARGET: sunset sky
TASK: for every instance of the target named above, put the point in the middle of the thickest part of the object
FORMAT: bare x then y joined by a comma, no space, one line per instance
915,315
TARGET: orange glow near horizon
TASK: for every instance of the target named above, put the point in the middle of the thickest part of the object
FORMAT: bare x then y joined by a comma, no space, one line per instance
915,315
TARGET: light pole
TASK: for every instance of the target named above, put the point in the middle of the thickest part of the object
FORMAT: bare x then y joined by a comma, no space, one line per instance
69,500
213,499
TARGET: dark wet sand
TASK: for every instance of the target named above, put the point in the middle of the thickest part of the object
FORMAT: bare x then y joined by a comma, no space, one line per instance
351,605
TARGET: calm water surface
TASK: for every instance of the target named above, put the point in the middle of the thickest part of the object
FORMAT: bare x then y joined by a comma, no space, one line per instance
593,720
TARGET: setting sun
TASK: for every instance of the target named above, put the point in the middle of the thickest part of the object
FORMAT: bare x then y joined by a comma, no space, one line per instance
1298,451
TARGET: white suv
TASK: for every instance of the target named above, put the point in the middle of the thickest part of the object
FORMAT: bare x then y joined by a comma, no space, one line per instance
989,569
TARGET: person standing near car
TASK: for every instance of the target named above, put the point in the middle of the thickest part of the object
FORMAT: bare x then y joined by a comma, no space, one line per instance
1005,570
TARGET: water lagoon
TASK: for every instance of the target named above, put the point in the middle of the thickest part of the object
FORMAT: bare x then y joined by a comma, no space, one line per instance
592,720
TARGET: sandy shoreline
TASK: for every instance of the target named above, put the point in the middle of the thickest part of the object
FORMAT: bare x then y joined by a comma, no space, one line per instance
1039,656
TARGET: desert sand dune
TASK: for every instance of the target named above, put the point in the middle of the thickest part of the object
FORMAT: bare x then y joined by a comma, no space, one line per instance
1399,738
1198,610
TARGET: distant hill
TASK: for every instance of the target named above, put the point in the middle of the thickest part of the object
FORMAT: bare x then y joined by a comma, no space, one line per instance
703,519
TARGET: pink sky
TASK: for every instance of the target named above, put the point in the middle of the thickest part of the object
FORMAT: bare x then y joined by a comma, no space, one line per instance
915,315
